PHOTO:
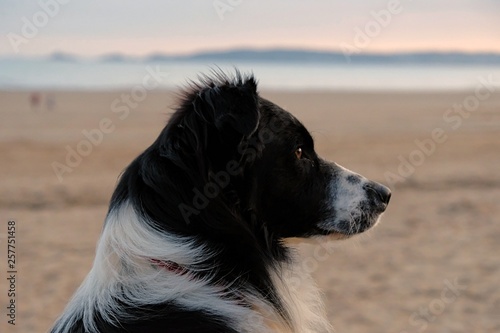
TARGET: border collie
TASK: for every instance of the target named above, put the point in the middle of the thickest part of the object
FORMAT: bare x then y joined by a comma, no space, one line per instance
195,236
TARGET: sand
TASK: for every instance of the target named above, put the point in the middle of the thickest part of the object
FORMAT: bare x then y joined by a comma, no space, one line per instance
432,264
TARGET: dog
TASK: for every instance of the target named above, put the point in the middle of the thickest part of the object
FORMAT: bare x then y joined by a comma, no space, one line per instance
195,239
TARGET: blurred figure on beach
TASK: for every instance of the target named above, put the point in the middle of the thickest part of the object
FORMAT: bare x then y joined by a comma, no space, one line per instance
35,101
50,102
38,101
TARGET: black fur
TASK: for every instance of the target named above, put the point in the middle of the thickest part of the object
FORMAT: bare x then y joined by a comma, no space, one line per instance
225,135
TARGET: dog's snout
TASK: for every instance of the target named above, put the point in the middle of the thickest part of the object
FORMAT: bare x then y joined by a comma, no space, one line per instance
382,192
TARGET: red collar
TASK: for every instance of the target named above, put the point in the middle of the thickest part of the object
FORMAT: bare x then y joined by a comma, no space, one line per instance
174,267
170,266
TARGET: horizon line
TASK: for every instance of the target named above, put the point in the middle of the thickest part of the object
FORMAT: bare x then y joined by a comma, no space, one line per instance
255,49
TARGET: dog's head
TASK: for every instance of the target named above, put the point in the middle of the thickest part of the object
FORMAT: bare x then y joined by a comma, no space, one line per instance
300,194
241,155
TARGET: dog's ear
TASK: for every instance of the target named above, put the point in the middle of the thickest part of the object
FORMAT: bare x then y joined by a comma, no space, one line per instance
230,107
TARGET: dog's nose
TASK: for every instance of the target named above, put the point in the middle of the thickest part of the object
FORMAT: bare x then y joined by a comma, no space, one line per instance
382,192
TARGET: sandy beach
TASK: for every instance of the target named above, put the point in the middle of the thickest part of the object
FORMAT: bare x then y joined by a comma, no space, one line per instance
431,265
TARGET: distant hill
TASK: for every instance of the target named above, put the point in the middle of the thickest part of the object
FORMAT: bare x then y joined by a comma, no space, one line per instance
60,56
300,56
291,55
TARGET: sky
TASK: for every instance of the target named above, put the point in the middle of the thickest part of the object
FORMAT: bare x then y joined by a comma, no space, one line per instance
139,28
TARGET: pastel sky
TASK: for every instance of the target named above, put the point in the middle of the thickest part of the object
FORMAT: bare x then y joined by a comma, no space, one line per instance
92,27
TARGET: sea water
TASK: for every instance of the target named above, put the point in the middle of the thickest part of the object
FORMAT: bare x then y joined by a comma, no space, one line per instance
30,74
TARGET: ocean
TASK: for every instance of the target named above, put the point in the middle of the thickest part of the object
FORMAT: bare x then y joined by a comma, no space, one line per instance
29,74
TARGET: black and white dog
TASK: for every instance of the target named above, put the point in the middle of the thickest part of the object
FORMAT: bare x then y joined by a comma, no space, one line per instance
195,237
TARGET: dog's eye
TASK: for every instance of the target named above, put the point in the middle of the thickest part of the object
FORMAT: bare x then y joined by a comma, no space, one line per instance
298,153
